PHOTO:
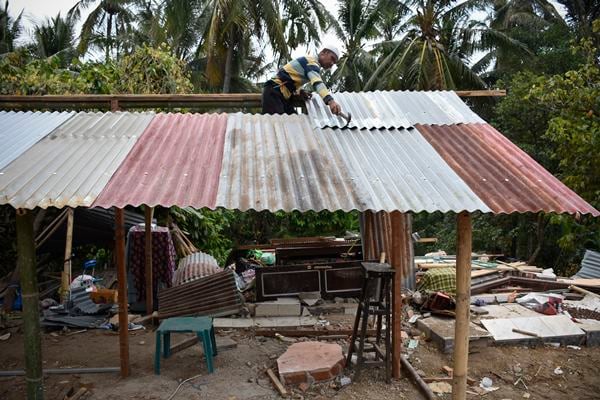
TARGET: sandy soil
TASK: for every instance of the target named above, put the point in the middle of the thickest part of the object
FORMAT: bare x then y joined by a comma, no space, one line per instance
240,372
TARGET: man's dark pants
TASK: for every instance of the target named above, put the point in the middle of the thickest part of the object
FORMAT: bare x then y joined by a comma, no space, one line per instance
273,101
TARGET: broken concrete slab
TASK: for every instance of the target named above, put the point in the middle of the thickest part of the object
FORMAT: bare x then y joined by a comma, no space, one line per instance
549,328
282,307
309,362
508,310
591,327
441,331
263,322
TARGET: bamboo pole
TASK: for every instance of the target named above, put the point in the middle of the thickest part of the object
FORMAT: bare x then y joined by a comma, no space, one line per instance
148,264
67,273
463,295
30,295
122,279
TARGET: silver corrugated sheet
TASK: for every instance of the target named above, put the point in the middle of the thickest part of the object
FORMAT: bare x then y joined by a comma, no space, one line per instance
590,265
393,109
280,162
21,130
72,165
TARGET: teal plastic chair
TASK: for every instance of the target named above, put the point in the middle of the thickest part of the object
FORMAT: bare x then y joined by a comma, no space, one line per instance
201,326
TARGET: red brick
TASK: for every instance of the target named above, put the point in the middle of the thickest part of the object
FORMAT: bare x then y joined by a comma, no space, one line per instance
294,378
321,374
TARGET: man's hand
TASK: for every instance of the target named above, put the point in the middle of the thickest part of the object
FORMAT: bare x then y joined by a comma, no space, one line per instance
304,95
334,107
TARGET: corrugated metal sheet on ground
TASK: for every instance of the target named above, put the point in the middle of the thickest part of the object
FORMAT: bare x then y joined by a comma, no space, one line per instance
279,162
195,266
176,162
72,165
505,177
590,265
21,130
393,109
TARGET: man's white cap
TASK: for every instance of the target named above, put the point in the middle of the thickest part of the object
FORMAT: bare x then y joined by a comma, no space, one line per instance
333,49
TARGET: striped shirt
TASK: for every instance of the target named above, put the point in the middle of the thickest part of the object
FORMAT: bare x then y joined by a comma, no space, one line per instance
298,72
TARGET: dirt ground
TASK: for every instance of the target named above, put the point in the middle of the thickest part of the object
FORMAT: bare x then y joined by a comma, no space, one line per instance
240,372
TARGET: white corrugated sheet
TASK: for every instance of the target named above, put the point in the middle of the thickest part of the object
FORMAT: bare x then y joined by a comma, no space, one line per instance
72,164
21,130
392,109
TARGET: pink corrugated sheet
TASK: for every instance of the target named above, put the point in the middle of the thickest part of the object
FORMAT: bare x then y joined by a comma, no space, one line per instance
177,161
505,177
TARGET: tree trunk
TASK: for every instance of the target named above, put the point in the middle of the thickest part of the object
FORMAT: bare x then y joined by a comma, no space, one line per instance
108,39
541,231
228,68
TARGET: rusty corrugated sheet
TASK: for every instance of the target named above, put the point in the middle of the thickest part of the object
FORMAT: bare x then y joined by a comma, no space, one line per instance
72,165
503,176
176,162
280,162
195,266
393,109
21,130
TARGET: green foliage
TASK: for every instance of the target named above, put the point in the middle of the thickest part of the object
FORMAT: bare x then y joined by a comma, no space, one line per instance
573,101
217,231
524,118
153,71
148,70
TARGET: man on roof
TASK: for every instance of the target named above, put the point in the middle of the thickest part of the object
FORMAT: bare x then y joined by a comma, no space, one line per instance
278,91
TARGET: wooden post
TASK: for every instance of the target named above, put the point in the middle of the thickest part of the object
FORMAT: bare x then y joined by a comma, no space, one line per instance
31,316
122,278
400,259
463,296
114,105
148,264
67,273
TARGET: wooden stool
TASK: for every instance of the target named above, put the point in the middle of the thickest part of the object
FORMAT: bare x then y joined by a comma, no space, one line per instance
375,300
201,326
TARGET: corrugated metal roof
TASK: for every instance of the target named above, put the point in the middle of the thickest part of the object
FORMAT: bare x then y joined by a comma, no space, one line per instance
72,165
176,162
280,162
21,130
505,177
590,265
393,109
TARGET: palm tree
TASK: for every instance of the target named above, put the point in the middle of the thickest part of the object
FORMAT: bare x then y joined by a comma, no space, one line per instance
435,51
10,29
359,22
115,17
510,13
177,23
232,26
55,37
515,18
581,15
304,21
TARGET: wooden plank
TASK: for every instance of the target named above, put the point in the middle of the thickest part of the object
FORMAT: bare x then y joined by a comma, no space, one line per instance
125,100
276,382
67,275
